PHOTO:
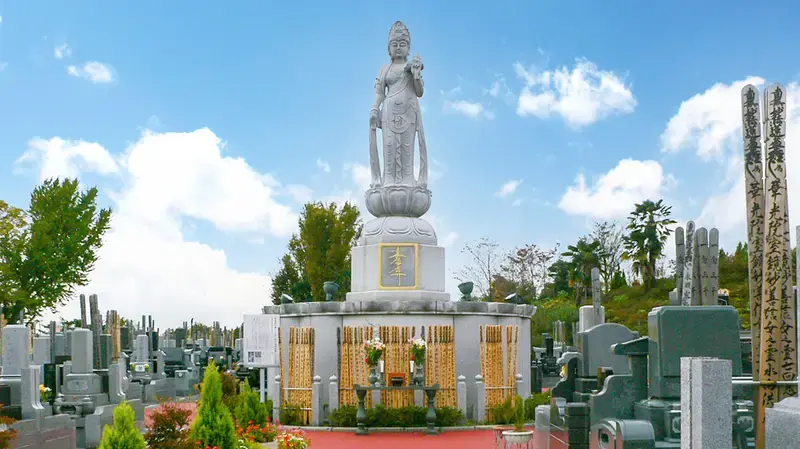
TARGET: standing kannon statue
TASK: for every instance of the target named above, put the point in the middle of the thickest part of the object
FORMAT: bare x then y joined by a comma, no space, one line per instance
396,111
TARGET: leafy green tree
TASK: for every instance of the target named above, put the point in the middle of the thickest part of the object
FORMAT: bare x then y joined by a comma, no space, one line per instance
648,227
123,434
50,249
609,238
213,425
559,272
320,252
582,257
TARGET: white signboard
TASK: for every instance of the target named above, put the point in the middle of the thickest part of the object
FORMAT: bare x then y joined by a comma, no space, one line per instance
260,341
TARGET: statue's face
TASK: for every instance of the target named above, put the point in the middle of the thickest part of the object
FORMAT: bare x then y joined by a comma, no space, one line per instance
398,49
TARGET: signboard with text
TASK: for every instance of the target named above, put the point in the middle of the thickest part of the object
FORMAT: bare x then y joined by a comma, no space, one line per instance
260,341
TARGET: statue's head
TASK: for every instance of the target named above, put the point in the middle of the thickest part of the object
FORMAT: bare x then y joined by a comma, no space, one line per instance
399,41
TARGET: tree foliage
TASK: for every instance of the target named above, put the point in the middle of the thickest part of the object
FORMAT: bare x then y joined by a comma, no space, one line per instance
213,425
581,258
648,227
124,433
50,249
609,238
319,252
485,259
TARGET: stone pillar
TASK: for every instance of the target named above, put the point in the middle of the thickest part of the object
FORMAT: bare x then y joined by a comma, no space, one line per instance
106,351
480,402
461,394
541,425
141,352
706,403
84,321
81,354
29,392
520,385
276,404
333,393
316,401
577,420
116,372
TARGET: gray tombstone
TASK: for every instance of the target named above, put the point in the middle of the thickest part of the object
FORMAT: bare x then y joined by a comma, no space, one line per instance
141,349
41,350
595,348
106,351
16,356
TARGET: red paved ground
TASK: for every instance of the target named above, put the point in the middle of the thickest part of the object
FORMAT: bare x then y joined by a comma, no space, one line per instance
481,439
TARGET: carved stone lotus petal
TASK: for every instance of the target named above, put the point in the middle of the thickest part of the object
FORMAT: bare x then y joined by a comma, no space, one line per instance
398,229
398,201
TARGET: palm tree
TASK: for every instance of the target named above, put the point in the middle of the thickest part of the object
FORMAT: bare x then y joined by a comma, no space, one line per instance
649,228
582,258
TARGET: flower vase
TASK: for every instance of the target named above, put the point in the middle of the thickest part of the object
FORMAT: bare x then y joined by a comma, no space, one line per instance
419,374
373,375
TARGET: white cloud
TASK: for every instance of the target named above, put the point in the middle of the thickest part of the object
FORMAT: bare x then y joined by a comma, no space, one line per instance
94,71
62,51
147,264
449,240
469,109
300,193
708,122
3,65
615,192
508,188
324,166
57,157
517,202
582,95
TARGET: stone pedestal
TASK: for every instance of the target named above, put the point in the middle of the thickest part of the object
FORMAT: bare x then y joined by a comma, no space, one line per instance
783,424
398,258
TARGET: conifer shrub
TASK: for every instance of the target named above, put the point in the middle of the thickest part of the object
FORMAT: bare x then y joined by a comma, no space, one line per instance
123,434
213,426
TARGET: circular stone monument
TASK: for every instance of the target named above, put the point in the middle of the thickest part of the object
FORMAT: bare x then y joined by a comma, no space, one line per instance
398,279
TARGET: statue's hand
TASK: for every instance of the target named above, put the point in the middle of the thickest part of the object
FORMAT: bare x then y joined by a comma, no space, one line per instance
417,66
373,119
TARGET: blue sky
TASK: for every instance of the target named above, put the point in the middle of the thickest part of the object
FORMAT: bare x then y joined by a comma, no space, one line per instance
207,126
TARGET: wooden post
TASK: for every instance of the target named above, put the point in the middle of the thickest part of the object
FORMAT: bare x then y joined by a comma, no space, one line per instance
773,318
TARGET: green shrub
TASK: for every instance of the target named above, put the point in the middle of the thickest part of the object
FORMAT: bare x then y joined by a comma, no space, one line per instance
502,413
168,428
291,415
214,424
519,414
250,408
534,401
123,434
403,417
229,396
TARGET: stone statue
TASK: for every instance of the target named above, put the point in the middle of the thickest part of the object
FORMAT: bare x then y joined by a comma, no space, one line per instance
396,111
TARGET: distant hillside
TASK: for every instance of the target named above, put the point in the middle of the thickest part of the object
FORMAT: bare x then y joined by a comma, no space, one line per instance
630,305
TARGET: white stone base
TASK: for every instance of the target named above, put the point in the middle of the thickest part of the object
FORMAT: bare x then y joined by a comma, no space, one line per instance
397,295
365,274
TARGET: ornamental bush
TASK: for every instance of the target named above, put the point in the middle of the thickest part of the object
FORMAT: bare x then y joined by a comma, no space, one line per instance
169,428
250,409
123,434
213,425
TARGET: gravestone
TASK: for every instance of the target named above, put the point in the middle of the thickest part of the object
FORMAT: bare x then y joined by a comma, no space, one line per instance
16,356
60,342
106,351
125,338
41,350
81,381
141,349
706,403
